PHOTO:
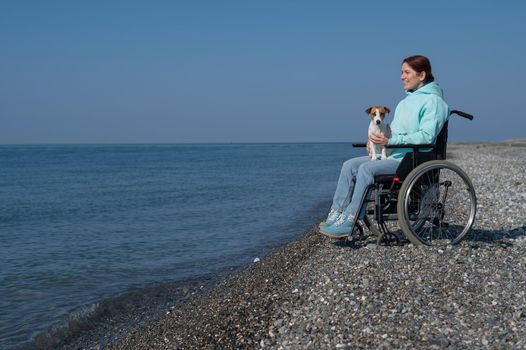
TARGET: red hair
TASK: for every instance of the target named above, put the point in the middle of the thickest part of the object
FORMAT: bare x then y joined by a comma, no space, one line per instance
420,64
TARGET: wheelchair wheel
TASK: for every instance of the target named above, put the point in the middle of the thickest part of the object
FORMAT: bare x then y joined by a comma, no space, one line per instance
436,204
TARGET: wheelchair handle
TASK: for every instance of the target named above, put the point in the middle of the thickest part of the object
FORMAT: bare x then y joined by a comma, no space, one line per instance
462,114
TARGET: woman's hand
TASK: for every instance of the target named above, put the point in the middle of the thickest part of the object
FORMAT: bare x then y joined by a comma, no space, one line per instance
378,138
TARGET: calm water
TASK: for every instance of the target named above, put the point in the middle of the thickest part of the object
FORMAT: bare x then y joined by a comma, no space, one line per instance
82,223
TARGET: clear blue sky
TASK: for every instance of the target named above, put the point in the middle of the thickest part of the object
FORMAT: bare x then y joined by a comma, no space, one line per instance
250,71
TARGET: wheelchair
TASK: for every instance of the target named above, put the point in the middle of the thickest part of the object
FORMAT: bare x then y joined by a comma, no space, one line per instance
432,199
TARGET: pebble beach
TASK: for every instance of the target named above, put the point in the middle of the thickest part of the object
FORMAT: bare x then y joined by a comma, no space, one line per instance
313,293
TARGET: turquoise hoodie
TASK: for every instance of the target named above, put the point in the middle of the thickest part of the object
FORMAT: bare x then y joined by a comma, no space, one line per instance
418,119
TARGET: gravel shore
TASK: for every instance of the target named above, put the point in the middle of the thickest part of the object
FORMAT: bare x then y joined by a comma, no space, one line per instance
312,293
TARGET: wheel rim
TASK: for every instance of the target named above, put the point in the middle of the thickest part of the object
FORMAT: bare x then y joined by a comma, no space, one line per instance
440,205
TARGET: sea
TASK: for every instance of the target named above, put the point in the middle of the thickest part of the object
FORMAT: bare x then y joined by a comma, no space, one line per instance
83,225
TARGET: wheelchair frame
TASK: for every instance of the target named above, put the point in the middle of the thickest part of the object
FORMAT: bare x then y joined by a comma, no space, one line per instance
416,196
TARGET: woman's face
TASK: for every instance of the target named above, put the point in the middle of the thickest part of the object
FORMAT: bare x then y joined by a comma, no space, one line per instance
411,79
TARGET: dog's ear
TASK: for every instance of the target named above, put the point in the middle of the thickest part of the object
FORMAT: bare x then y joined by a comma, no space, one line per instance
387,110
368,110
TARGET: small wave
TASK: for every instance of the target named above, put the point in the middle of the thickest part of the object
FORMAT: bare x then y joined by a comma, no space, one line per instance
99,324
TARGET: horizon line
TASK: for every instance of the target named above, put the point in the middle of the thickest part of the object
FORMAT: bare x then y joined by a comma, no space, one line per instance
217,143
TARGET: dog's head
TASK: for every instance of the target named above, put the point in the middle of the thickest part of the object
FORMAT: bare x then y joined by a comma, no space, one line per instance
377,113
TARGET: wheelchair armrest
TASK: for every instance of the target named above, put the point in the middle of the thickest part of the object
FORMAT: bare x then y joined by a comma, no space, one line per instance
414,147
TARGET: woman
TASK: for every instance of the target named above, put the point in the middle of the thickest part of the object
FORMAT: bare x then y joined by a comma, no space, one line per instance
418,119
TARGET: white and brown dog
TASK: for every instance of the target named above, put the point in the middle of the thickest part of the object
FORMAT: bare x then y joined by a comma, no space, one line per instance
378,125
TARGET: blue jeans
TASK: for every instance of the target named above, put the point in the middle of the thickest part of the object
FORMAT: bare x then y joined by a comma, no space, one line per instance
355,176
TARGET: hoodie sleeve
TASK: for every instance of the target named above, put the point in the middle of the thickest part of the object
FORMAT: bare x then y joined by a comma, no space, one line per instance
433,115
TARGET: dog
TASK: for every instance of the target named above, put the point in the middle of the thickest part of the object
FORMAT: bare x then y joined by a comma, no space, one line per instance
378,125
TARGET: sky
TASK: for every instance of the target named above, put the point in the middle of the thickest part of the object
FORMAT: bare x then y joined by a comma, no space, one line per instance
250,71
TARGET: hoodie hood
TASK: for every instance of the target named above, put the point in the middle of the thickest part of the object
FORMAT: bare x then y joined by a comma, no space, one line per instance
431,88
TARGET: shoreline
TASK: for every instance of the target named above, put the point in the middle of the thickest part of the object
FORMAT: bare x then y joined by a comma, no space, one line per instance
116,318
312,293
111,319
247,295
107,321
